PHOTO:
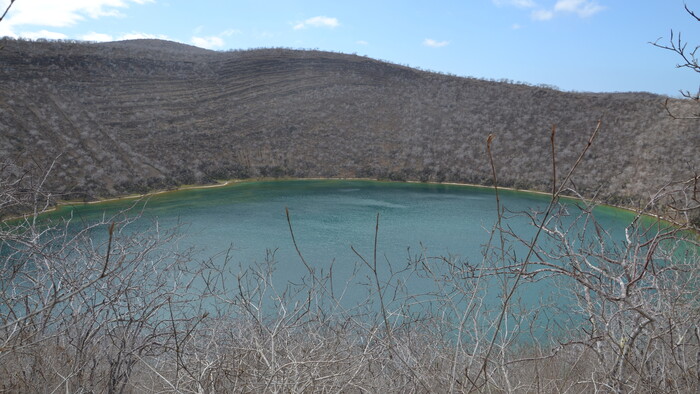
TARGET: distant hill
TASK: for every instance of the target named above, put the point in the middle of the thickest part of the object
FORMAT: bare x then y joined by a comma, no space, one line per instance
138,115
137,47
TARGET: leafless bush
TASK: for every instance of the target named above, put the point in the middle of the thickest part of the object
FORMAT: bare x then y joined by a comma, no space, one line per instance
113,307
636,301
688,59
78,313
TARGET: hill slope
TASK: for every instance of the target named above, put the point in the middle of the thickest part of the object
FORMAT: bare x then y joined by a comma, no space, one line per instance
131,116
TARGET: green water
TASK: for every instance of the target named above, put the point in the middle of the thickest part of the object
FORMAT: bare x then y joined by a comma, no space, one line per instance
431,241
429,236
330,216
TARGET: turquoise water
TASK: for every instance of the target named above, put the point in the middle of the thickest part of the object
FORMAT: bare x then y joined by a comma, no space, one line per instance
330,216
429,240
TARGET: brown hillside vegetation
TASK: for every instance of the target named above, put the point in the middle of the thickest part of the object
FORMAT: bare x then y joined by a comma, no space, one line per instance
564,308
138,115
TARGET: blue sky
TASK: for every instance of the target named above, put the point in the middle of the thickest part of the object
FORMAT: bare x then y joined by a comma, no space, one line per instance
582,45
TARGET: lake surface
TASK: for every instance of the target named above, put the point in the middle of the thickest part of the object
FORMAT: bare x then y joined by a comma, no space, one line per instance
441,222
330,216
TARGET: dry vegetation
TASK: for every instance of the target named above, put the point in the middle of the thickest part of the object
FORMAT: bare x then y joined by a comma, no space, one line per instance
138,115
136,314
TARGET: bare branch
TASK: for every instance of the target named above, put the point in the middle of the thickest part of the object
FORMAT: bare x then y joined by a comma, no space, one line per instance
6,10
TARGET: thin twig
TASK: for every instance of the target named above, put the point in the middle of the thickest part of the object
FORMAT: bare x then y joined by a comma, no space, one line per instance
296,247
531,250
554,161
6,10
109,250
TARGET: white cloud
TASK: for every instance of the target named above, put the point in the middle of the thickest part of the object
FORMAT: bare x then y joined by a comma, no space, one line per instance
211,42
524,3
542,15
140,36
229,32
516,26
584,8
429,42
516,3
51,35
362,42
65,13
5,31
101,37
317,21
98,37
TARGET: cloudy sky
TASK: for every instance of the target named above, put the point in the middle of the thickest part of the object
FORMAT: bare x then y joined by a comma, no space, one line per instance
582,45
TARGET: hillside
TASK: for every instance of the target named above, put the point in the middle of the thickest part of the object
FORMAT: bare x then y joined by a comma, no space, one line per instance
139,115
